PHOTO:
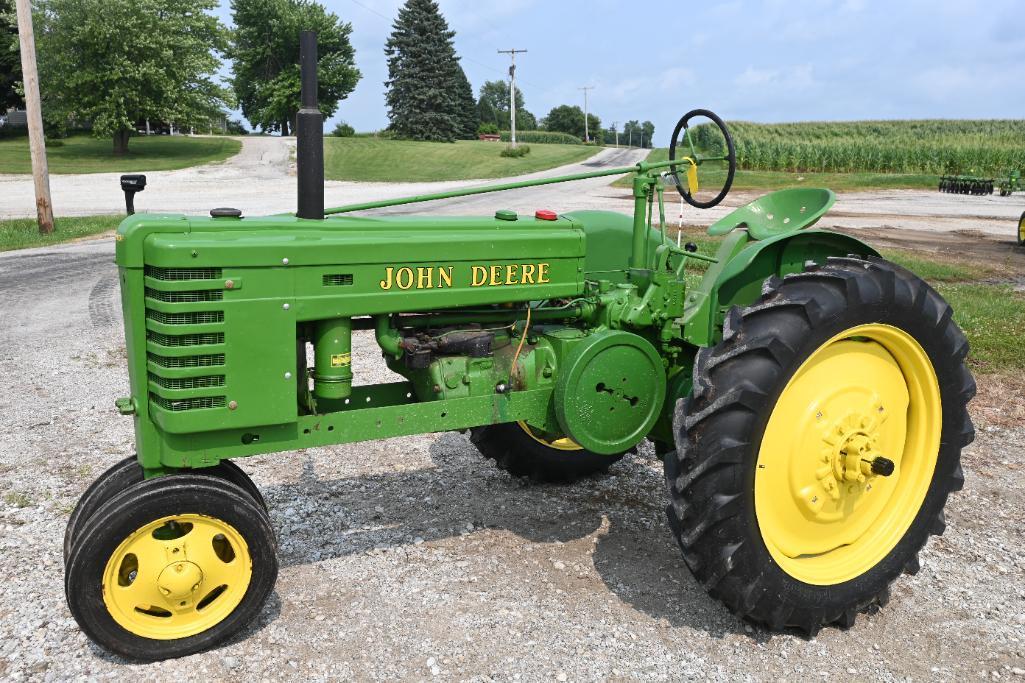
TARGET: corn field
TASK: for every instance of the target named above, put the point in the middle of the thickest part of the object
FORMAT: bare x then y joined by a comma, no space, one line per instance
987,147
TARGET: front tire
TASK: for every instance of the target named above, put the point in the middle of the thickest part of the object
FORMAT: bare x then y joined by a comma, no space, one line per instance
171,566
1021,230
127,473
523,451
771,487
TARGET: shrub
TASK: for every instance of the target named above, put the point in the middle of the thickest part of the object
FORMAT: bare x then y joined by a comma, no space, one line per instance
343,130
516,152
542,137
487,129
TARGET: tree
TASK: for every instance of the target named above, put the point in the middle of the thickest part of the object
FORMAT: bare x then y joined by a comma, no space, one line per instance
265,55
469,118
632,133
648,130
117,62
10,57
570,119
426,97
493,107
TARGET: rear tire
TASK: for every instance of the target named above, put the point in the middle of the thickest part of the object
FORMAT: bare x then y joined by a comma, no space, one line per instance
719,520
128,473
1021,230
525,454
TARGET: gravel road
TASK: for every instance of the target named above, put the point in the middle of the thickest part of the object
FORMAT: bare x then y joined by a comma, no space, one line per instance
414,558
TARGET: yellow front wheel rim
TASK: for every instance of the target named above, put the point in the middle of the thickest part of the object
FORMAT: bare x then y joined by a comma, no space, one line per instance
1021,229
823,514
177,576
559,443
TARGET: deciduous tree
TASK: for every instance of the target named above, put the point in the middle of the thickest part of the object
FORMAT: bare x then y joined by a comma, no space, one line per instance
265,59
493,105
568,118
113,63
10,58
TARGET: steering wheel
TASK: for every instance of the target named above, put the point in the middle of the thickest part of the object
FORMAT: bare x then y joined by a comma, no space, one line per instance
697,159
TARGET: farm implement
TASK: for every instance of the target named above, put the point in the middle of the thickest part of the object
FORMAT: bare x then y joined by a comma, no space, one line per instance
807,397
966,184
1010,184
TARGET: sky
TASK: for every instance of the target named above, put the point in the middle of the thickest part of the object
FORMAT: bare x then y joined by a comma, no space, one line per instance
766,61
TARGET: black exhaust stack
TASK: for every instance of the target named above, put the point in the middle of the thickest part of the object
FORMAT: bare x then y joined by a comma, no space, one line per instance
309,133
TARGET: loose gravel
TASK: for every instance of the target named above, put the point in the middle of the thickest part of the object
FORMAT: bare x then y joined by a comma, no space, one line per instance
414,558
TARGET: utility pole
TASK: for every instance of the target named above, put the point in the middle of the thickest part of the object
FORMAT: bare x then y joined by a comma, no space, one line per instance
587,136
512,52
615,127
34,116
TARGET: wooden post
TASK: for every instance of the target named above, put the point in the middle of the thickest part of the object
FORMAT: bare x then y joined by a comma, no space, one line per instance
34,116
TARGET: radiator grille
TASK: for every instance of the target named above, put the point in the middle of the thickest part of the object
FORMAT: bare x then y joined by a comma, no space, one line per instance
179,404
204,361
177,340
338,280
203,382
185,297
173,378
195,318
179,274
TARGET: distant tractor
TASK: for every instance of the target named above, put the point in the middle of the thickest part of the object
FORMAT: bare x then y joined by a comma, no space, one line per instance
1010,184
808,398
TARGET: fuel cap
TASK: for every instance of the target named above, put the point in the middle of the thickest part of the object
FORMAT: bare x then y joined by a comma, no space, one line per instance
546,215
226,212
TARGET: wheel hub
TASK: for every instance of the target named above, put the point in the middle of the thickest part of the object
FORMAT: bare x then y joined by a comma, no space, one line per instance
180,580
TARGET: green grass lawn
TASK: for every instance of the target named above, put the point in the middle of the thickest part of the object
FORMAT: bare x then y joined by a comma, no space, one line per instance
22,233
374,159
84,154
991,315
778,180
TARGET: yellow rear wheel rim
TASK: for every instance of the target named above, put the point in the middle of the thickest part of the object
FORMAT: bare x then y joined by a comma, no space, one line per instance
823,515
559,443
177,576
1021,229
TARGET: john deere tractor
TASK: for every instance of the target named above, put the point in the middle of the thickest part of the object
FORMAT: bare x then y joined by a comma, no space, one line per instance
808,398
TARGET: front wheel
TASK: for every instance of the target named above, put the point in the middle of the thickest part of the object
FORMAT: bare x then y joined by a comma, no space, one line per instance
1021,230
171,566
820,443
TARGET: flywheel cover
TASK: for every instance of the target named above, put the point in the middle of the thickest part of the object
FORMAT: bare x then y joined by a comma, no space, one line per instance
611,392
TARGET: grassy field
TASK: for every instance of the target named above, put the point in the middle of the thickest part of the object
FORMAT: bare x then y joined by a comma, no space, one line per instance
985,147
22,233
83,154
374,159
777,180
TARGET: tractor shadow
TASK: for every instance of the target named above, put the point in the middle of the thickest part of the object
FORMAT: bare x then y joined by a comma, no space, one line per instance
634,554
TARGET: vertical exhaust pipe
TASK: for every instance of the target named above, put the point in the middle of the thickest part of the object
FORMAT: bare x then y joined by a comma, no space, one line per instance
309,133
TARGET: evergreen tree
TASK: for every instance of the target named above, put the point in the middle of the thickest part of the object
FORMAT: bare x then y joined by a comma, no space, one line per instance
469,120
424,95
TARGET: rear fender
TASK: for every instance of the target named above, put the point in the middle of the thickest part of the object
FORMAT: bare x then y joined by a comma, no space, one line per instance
744,265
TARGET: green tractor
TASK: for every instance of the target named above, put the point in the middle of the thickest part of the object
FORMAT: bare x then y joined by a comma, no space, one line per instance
808,398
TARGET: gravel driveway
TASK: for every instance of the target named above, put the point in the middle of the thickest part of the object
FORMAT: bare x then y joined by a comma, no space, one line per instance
414,558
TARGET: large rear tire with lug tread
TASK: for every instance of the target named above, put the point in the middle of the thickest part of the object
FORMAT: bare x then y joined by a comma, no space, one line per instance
820,442
524,451
171,566
128,472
